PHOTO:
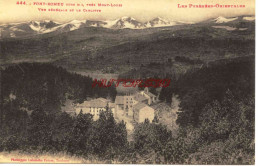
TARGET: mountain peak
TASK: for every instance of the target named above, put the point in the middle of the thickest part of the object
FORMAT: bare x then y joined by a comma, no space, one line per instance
126,17
222,19
34,23
159,22
127,22
249,18
77,22
49,26
159,18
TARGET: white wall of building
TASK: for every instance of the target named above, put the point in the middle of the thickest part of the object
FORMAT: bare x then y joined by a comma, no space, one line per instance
93,111
146,113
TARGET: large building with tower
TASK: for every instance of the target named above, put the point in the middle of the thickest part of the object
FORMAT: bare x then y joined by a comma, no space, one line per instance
136,106
133,106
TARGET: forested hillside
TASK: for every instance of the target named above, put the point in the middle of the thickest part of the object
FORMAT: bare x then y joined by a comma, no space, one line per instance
43,88
216,118
217,113
47,86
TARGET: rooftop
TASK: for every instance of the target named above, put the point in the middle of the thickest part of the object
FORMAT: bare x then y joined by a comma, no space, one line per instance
150,94
139,106
97,103
139,97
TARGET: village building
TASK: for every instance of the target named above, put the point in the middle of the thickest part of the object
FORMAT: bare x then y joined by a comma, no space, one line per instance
94,107
136,106
141,98
151,97
142,112
124,105
119,101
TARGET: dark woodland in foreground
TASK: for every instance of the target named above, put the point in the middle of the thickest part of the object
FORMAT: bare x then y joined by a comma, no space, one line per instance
216,118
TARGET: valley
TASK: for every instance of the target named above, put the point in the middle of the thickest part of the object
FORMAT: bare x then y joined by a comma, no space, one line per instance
88,46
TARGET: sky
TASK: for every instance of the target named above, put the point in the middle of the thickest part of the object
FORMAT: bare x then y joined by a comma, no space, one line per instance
142,10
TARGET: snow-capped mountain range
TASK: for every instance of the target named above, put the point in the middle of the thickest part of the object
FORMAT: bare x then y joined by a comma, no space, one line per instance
224,20
228,23
221,19
48,26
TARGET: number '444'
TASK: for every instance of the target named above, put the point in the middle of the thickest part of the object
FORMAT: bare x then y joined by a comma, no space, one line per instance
20,3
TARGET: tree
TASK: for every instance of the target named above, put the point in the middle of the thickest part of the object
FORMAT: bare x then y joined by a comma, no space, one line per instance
111,136
80,134
150,137
39,132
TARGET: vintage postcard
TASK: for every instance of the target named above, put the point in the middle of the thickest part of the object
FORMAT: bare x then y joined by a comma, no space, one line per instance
127,81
